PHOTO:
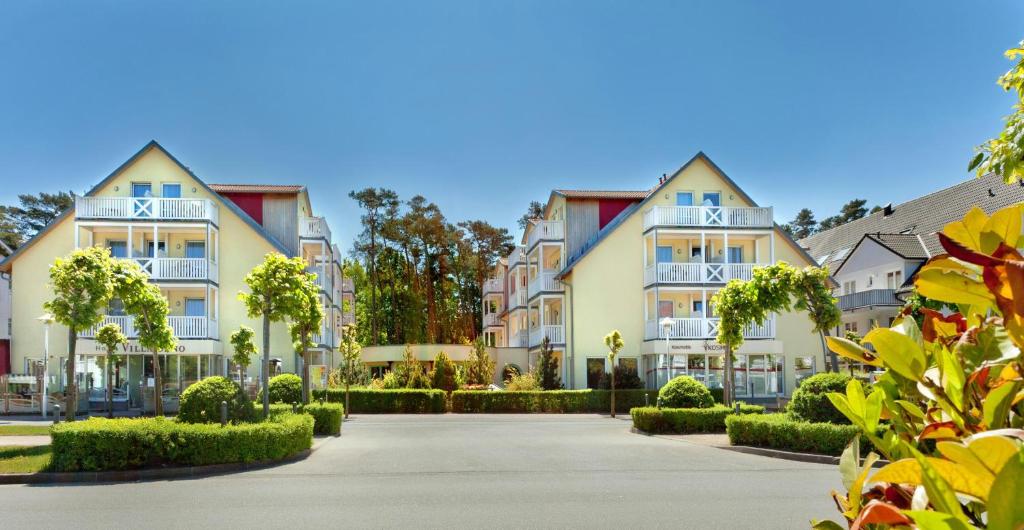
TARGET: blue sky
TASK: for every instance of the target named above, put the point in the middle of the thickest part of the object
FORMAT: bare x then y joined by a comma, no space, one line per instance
483,106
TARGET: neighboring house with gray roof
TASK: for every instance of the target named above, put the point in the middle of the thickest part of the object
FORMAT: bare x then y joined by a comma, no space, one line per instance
873,259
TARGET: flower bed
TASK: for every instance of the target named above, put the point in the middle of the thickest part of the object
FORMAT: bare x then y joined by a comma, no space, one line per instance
685,421
780,431
403,400
100,444
551,401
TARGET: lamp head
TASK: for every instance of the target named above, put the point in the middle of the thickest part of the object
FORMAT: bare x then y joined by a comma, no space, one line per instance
45,318
667,322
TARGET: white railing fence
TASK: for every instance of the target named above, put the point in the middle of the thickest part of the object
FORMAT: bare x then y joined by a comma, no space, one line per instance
704,328
713,216
146,208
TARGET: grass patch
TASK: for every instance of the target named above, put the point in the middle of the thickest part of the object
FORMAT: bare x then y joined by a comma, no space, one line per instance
24,430
17,459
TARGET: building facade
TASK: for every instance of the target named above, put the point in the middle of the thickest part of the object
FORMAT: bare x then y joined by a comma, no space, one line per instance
197,241
629,260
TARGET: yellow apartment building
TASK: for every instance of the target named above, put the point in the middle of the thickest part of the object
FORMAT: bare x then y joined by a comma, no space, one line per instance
197,241
629,260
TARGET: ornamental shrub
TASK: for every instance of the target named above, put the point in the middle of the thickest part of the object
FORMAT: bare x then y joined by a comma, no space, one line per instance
327,417
547,401
523,382
200,403
100,444
443,375
780,431
810,400
285,388
684,421
685,392
625,379
403,400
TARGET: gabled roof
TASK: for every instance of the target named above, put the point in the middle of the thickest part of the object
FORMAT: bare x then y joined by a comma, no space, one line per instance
905,246
924,216
256,188
152,144
633,208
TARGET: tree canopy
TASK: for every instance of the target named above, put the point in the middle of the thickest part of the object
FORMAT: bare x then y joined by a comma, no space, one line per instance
18,223
1004,154
804,224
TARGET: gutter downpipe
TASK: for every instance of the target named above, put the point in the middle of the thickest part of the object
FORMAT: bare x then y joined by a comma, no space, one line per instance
572,338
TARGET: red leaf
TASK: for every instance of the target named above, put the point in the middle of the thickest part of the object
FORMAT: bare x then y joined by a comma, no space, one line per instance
878,512
965,254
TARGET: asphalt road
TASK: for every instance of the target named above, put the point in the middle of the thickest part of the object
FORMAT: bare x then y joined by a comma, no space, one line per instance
480,471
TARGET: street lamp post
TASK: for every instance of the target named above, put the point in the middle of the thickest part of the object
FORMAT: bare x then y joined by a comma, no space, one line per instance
666,326
46,319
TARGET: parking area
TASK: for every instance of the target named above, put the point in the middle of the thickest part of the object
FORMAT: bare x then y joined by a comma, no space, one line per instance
504,471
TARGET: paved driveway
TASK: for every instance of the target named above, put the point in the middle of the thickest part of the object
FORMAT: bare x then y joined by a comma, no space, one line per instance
480,471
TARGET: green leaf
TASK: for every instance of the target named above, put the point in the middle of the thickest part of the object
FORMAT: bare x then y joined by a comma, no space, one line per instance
927,520
911,408
1006,498
841,404
826,525
849,462
996,405
975,161
940,494
873,410
899,352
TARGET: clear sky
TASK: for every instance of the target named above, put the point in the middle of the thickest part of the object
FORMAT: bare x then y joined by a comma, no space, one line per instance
482,106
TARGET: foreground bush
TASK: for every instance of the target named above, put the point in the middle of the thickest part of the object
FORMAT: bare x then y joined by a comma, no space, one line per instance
403,400
685,392
810,400
780,431
99,444
200,403
327,417
285,388
552,401
684,421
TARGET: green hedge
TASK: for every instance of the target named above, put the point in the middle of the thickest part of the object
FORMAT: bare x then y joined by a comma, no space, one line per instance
554,401
684,421
780,431
327,417
100,444
402,400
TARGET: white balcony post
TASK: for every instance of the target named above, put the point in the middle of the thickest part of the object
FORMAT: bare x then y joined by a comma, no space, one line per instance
725,256
131,237
156,241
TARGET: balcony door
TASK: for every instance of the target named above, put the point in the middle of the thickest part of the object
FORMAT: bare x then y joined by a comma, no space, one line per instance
664,254
195,249
118,249
195,307
142,190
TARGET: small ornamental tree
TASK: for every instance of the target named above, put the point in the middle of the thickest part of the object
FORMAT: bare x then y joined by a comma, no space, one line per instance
244,348
276,289
547,368
1004,154
82,285
947,410
480,366
144,301
772,289
307,320
110,337
443,375
409,373
351,370
614,343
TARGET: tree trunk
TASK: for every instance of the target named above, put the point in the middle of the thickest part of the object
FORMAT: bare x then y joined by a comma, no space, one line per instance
833,359
158,389
305,375
265,371
346,396
110,388
241,378
71,389
613,389
728,387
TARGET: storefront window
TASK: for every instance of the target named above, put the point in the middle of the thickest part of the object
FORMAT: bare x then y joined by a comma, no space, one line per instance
740,374
715,371
628,364
595,369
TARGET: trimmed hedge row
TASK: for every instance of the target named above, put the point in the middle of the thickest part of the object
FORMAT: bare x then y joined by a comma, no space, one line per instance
685,421
779,431
402,400
100,444
553,401
327,417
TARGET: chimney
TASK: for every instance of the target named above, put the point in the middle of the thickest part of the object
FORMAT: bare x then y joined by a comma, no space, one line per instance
887,210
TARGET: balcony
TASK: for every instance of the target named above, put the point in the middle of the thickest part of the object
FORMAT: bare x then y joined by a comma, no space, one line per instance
518,298
323,278
544,282
179,268
314,228
494,285
519,339
517,257
705,328
708,216
146,209
492,319
554,333
870,298
347,286
698,273
184,327
545,231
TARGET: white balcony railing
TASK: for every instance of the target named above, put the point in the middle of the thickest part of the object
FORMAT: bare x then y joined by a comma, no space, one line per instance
687,273
544,282
323,279
494,285
347,286
517,257
704,328
554,333
314,228
519,339
708,216
179,268
492,319
146,208
545,231
184,327
518,298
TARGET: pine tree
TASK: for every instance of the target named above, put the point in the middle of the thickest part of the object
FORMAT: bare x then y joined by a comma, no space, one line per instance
803,224
547,368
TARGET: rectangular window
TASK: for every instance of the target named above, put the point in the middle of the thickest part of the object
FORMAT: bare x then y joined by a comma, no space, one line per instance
664,254
118,249
684,198
170,191
595,369
628,364
142,189
698,308
850,326
665,309
161,249
894,279
735,254
850,287
712,198
195,307
195,249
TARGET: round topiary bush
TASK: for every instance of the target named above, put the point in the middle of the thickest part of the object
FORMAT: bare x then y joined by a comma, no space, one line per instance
810,400
285,388
200,403
685,392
